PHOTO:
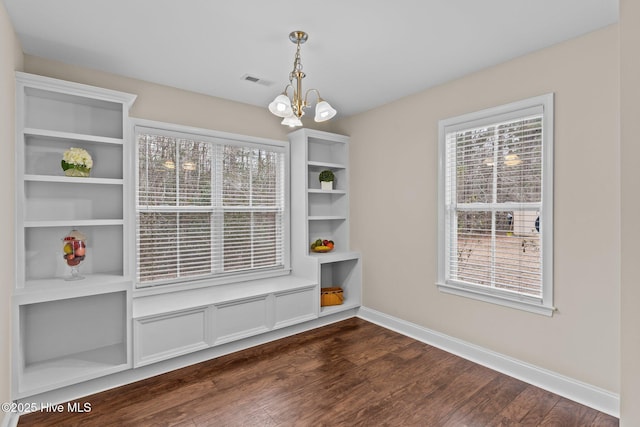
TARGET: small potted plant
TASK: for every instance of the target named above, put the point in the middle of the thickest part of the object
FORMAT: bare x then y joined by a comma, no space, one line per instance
326,178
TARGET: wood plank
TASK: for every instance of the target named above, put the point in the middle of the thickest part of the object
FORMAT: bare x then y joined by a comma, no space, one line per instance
486,402
520,411
568,413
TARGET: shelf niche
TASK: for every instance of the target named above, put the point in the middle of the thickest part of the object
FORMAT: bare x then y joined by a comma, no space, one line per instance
64,112
44,153
70,340
43,252
345,274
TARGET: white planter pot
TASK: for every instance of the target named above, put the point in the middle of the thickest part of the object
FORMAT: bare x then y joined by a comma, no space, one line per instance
326,185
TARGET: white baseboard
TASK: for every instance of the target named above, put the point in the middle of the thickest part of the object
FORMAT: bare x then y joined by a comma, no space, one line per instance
594,397
10,419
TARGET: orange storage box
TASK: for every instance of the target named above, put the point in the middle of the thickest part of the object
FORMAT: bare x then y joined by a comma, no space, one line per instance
331,296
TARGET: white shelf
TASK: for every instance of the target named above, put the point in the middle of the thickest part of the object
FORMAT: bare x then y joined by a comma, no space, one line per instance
327,218
335,256
332,309
70,136
57,288
74,223
325,165
63,371
72,180
319,191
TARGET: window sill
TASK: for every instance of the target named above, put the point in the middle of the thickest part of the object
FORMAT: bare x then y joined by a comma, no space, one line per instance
495,298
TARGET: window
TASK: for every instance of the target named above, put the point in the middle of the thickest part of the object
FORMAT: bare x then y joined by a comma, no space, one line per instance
207,205
495,205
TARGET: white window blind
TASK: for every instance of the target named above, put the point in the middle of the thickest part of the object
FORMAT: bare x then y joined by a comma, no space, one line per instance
493,209
207,207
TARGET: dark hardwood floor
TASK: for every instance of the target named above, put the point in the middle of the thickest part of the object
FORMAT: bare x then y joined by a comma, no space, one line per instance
352,373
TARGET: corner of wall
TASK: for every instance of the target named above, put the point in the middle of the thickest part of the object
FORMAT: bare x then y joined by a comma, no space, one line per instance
630,203
12,61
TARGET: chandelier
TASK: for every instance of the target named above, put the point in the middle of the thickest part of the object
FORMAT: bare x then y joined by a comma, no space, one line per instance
292,109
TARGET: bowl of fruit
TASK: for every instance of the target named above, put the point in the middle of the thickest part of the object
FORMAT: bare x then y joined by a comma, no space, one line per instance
322,246
74,248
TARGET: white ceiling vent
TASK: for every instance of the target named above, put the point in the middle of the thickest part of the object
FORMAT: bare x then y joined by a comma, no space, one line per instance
257,80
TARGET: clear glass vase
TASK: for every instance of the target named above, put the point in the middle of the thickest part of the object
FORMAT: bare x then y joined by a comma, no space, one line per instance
80,171
74,250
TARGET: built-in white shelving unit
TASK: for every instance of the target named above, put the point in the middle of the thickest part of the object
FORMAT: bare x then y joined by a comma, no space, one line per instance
323,214
69,332
66,332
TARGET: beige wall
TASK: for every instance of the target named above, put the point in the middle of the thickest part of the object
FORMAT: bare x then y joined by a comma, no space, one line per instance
630,225
394,209
11,54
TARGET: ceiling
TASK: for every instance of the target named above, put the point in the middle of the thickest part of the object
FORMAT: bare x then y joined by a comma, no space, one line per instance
360,53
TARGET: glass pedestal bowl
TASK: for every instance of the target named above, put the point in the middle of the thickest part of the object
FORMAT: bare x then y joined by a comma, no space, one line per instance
74,250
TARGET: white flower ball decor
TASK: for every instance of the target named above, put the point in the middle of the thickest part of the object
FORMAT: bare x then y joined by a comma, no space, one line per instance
76,162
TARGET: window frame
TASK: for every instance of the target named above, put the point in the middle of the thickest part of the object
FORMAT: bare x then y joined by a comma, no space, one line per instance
492,116
217,137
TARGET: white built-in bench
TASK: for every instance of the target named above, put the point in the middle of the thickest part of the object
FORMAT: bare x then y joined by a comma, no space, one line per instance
171,324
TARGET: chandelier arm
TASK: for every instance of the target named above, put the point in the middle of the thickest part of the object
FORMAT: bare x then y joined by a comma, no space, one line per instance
306,95
284,92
